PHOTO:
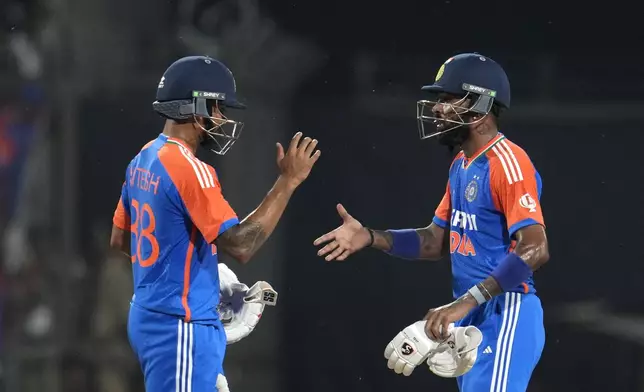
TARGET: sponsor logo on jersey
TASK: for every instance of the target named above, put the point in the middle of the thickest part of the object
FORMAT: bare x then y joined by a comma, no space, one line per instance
526,201
460,242
464,220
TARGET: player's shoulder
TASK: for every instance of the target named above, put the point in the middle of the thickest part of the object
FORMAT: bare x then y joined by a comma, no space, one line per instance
506,152
178,153
509,160
183,166
148,144
514,148
143,152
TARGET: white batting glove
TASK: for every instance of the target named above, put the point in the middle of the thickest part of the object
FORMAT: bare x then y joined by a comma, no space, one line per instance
240,307
261,292
245,320
227,278
457,354
409,348
221,384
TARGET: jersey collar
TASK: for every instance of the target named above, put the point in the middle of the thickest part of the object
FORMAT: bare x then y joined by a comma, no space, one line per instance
174,140
467,162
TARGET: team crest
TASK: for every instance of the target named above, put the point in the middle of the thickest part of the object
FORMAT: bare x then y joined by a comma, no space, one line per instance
441,70
471,191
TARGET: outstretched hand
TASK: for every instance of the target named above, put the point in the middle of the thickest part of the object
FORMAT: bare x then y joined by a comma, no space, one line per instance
296,163
347,239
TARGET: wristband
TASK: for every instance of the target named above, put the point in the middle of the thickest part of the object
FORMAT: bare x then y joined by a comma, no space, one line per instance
371,236
406,243
477,294
511,272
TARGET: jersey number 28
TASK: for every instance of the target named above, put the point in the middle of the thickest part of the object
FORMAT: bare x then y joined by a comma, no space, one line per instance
144,233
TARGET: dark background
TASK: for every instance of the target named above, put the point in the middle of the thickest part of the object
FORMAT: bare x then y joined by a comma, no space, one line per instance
78,79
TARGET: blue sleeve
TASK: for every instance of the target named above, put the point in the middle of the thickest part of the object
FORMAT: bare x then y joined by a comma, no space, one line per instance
228,224
125,191
125,197
442,223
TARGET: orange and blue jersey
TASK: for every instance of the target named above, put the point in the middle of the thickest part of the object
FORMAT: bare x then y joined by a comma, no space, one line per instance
489,197
172,204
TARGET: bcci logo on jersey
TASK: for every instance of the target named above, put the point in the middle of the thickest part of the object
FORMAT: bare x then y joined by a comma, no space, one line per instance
471,191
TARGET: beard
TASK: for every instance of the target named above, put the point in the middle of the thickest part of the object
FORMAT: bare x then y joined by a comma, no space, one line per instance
205,139
455,138
208,143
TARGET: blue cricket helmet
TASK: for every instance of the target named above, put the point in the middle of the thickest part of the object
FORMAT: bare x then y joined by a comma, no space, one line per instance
202,74
470,75
190,87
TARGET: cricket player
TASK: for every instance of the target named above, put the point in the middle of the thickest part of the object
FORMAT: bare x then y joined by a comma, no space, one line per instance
489,220
173,220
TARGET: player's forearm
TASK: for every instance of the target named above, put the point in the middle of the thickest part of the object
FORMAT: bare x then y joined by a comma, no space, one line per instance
120,240
432,242
244,240
382,240
487,289
492,285
423,243
513,270
535,254
124,247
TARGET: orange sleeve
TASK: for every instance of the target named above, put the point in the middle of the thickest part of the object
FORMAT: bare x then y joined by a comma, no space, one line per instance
200,192
444,210
121,217
516,186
